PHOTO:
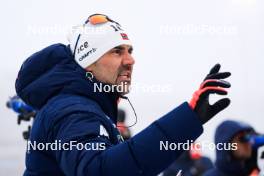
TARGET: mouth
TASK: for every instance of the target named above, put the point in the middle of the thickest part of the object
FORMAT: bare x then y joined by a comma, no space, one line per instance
124,79
125,76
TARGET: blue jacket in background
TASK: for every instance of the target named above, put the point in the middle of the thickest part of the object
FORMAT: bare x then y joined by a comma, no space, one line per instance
225,164
69,110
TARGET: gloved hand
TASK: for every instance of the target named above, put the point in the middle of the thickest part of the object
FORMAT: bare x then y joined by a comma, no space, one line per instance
212,84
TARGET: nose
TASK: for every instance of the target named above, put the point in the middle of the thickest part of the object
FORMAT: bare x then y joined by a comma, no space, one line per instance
128,59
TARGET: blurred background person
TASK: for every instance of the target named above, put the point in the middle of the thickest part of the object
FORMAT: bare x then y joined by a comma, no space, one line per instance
241,161
19,106
121,126
24,111
190,163
261,160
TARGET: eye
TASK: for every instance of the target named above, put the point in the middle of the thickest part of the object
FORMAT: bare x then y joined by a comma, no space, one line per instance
117,51
130,50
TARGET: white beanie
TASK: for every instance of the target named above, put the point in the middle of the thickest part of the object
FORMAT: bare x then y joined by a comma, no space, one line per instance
89,42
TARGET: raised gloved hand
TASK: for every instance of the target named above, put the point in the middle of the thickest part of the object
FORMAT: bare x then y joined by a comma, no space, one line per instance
212,84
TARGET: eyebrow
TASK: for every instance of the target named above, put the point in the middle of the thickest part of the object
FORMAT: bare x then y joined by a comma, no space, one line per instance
123,48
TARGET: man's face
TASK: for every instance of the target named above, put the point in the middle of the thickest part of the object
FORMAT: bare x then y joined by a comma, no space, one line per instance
115,67
244,149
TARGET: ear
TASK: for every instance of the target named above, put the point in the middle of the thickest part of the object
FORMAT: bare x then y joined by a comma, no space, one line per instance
90,68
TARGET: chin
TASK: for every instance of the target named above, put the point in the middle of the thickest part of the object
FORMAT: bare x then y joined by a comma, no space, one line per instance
124,88
124,93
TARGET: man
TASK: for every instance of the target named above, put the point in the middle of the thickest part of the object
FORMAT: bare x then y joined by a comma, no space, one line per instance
190,163
240,161
23,110
122,128
261,160
62,82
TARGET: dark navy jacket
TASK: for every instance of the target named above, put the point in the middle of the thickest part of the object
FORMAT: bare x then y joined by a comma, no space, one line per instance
69,110
225,164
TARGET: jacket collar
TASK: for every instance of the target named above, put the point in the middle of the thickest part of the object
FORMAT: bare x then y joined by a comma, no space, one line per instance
83,86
